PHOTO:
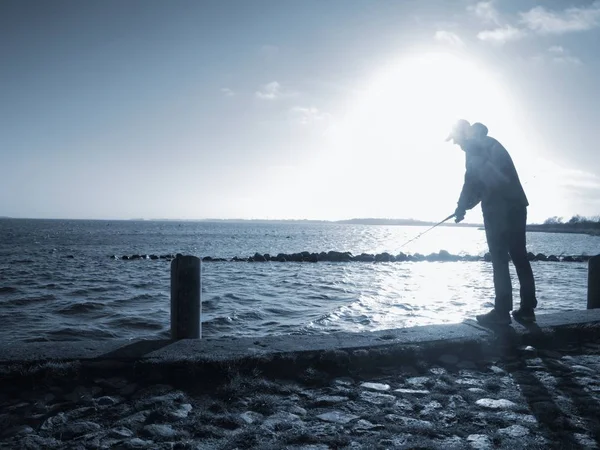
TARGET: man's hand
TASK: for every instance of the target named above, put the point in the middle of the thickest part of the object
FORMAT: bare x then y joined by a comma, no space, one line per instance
459,215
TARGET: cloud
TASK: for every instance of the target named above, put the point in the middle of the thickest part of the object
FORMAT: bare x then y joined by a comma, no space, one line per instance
269,51
543,21
558,54
557,50
501,35
227,92
486,12
309,115
270,91
449,37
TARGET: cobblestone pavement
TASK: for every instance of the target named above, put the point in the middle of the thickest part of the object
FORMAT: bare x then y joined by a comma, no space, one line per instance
545,399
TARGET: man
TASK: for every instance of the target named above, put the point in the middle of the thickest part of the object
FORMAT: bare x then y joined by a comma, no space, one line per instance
491,178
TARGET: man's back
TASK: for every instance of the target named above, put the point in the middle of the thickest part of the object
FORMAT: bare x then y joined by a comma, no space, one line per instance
493,167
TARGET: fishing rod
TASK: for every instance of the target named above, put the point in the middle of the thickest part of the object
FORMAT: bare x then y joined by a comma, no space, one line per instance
429,229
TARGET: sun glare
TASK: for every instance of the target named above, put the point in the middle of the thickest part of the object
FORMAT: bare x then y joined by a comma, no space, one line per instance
419,97
397,125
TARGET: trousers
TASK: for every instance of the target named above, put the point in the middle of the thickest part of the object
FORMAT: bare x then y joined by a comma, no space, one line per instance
505,229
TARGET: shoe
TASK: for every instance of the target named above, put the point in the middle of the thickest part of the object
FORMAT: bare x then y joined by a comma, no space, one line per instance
493,318
524,315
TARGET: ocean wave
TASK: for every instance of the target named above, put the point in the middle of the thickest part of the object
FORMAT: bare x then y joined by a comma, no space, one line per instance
8,290
81,333
136,323
221,320
80,308
31,300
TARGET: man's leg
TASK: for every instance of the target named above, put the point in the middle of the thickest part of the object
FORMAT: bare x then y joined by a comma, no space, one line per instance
518,253
496,231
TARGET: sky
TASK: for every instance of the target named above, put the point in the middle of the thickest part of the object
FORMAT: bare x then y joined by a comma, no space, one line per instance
301,109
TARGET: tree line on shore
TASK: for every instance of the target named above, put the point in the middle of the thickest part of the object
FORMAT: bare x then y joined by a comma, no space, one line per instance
576,221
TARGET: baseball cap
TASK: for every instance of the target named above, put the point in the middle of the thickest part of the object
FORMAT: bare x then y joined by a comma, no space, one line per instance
460,129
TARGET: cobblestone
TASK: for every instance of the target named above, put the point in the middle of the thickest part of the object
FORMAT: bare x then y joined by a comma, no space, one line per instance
540,400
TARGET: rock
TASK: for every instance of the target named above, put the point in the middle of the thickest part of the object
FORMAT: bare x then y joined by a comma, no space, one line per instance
412,391
519,418
451,443
54,422
107,401
298,410
417,381
365,257
553,258
137,443
376,386
487,257
403,405
120,433
134,420
430,407
479,441
376,398
259,258
497,370
495,404
445,256
514,431
75,429
343,382
414,424
339,256
383,257
541,257
78,413
281,421
585,441
449,360
530,256
33,441
337,417
364,425
159,432
475,390
325,400
438,371
181,411
166,399
401,257
251,417
568,259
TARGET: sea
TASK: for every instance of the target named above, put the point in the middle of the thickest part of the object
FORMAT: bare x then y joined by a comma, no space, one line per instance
58,280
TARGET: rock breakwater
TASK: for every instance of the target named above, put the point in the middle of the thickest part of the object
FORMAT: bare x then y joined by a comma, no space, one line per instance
335,256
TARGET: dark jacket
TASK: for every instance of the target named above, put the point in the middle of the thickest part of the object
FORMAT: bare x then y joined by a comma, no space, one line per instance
491,176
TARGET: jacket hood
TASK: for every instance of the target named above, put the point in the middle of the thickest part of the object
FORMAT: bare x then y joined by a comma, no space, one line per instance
479,130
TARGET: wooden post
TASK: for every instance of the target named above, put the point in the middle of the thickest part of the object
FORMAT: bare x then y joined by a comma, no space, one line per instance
593,300
186,301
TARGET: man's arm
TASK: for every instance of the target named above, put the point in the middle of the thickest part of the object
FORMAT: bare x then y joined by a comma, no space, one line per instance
470,195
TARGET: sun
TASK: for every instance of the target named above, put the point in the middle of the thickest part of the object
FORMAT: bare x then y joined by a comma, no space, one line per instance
396,125
418,97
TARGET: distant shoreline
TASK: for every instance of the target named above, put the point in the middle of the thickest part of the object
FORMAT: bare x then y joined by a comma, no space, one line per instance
568,228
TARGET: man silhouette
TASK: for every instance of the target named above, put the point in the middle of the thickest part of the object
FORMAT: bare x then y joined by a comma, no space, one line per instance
491,178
